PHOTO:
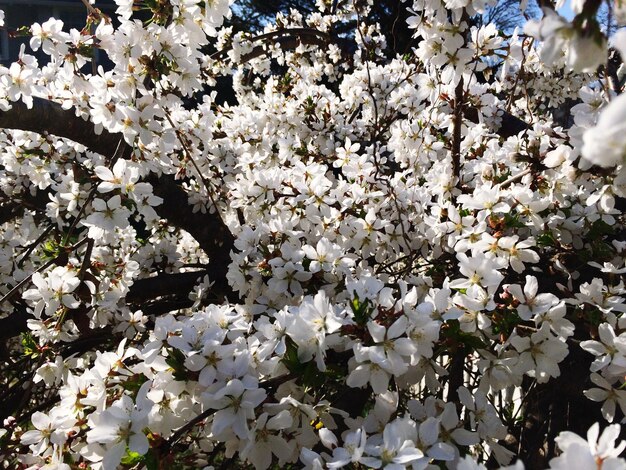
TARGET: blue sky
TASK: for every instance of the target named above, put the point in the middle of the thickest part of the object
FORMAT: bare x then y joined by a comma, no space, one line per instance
566,10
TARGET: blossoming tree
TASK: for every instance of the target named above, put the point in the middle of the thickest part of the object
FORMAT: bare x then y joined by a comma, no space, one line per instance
364,259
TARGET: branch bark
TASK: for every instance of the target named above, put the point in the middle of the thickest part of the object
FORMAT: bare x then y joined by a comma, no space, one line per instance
207,229
289,38
509,126
48,117
456,131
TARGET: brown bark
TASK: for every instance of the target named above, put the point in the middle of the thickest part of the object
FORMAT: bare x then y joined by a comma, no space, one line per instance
48,117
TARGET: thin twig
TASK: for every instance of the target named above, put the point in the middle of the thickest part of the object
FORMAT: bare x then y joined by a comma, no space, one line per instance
518,76
91,9
187,427
92,193
205,182
34,245
86,259
515,178
27,279
175,437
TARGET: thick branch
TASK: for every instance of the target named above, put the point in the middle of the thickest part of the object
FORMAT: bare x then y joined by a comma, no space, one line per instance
207,229
289,38
612,67
161,285
49,117
510,125
456,370
141,292
456,131
14,324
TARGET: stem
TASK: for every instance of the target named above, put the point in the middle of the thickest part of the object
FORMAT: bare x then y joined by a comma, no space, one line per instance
187,427
457,367
34,245
515,178
456,132
27,279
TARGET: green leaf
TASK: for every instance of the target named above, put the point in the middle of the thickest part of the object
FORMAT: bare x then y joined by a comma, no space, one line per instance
546,239
134,383
176,360
594,316
30,346
290,358
307,372
453,331
472,342
512,221
132,458
505,322
601,251
51,249
151,461
362,310
599,229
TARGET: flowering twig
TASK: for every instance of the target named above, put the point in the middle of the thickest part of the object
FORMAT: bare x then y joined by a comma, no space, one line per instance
9,295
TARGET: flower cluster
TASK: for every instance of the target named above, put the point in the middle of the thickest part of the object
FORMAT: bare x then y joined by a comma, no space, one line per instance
362,259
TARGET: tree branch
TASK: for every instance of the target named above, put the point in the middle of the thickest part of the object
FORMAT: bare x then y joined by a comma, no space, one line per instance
510,125
456,131
141,292
289,38
207,229
150,288
48,117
